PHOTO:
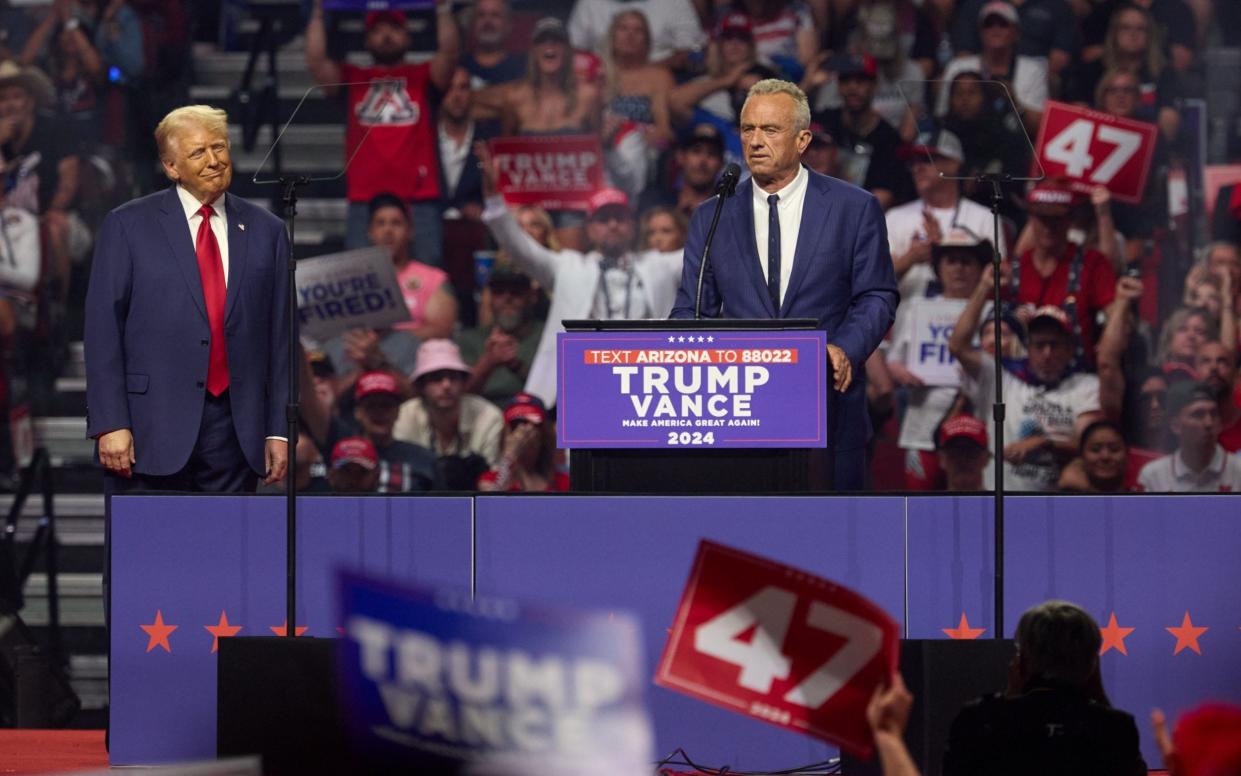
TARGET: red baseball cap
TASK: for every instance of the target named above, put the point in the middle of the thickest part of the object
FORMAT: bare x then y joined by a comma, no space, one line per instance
606,198
527,407
1052,197
735,25
966,428
373,383
357,450
396,18
1053,313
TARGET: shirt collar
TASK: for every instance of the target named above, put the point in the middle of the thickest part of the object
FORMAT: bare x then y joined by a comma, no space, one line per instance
790,191
191,205
1215,468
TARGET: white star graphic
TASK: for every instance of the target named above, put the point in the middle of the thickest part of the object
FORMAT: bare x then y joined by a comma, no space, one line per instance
680,339
710,339
672,338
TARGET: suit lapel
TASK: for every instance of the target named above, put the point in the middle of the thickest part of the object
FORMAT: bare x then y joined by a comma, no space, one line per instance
813,218
748,240
177,232
237,254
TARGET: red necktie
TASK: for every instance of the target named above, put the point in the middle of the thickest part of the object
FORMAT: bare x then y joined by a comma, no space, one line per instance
211,270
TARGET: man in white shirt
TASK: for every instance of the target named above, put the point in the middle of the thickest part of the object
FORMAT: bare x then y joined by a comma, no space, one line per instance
913,228
1025,77
675,30
611,282
1048,403
1199,464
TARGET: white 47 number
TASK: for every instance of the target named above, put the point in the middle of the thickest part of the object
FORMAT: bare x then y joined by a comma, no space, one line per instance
1072,149
769,613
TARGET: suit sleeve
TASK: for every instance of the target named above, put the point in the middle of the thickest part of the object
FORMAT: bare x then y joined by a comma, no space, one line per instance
873,281
683,307
107,307
278,376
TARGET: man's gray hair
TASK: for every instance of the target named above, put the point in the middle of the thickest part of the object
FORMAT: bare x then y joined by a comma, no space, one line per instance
801,106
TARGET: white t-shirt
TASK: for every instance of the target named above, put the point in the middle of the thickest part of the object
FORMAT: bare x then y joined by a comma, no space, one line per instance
1170,474
1031,410
905,225
927,405
1029,81
674,25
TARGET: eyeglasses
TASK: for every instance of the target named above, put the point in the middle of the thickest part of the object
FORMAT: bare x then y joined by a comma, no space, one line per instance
1121,90
1151,397
605,217
995,21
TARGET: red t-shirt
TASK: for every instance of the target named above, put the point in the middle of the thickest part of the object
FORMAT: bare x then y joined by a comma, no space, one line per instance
399,153
559,483
1230,438
1138,457
1096,288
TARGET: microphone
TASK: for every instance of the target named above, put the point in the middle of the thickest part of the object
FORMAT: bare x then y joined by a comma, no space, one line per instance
727,184
724,189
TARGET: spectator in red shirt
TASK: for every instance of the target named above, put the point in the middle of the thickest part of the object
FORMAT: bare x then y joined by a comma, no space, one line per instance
527,451
1217,367
1054,271
389,104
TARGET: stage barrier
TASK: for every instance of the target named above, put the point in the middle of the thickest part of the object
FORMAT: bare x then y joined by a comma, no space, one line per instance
187,569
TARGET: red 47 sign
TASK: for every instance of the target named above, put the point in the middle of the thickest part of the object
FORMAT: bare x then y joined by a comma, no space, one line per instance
778,644
1096,149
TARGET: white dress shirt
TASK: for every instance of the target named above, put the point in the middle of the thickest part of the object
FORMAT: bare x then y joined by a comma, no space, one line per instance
219,223
789,207
453,155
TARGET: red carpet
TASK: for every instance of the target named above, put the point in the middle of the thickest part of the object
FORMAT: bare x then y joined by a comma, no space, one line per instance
51,751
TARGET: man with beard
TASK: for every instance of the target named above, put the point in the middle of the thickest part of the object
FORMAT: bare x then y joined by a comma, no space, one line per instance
1217,368
868,144
700,158
501,355
1199,464
488,59
1049,403
390,105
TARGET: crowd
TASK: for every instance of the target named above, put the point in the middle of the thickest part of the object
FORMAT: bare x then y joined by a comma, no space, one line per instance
1118,341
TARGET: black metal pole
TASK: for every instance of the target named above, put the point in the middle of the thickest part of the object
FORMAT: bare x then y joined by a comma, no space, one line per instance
998,410
723,190
288,199
53,557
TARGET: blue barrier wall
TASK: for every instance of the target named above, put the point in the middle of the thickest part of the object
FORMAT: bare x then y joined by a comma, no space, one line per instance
1150,560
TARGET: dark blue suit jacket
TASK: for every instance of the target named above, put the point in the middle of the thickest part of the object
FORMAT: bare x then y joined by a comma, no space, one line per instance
147,337
842,277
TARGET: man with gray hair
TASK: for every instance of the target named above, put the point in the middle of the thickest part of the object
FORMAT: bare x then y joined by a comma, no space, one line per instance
186,320
797,244
1055,716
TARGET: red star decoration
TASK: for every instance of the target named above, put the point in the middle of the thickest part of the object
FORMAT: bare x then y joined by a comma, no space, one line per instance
221,630
963,630
158,633
1187,635
1114,637
283,628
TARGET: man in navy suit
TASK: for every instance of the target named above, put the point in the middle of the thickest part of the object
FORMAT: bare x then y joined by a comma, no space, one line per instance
186,319
796,244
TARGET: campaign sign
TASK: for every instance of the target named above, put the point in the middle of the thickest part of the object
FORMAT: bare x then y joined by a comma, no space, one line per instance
779,644
342,291
1091,149
656,389
435,681
928,356
556,173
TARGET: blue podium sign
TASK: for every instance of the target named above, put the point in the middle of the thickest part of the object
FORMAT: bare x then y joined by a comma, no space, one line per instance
700,389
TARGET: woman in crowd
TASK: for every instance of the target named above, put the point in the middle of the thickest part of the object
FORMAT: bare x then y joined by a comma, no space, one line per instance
550,100
1132,47
527,451
636,121
1182,334
1102,462
664,229
1206,288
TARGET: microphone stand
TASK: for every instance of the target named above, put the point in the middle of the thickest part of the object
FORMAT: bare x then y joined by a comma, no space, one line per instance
288,200
725,189
997,410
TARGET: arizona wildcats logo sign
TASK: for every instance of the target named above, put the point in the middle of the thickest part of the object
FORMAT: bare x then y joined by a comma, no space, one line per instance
387,104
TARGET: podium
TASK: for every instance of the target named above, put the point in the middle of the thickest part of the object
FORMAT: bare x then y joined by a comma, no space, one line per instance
691,407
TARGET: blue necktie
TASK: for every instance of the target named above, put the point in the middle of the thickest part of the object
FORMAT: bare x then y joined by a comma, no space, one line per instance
773,252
